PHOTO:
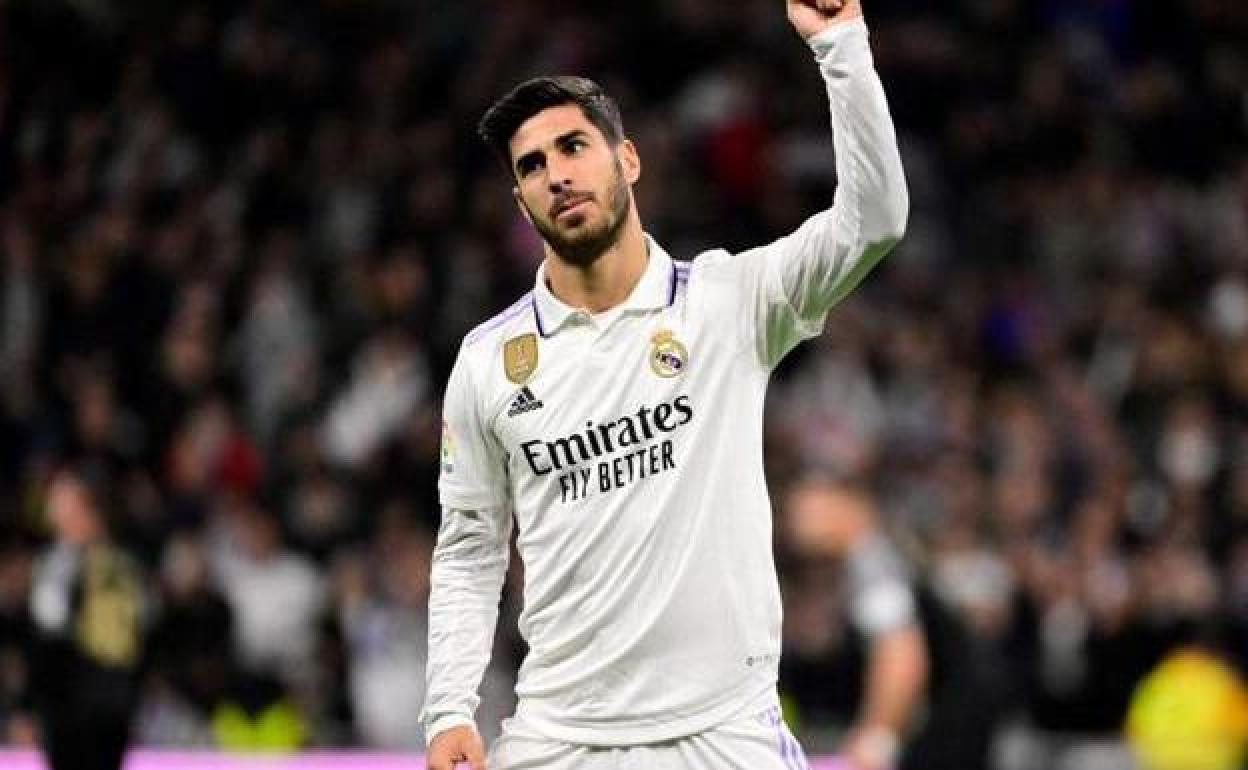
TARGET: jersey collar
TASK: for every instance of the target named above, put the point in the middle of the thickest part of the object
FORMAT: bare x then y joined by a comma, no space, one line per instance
655,290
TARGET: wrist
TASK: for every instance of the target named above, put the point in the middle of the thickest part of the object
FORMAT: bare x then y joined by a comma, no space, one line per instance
447,722
834,35
877,746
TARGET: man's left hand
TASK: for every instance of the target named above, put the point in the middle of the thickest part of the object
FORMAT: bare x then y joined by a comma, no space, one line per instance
871,748
810,17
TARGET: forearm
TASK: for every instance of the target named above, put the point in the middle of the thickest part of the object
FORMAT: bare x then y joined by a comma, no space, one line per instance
885,610
871,201
469,564
896,675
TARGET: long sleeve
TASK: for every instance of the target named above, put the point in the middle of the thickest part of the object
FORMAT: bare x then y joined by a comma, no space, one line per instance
470,558
793,282
871,205
469,564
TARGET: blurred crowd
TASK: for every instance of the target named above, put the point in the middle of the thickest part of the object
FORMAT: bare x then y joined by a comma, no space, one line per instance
241,240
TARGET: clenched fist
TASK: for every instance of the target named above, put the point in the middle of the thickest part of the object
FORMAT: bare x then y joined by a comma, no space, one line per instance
458,744
810,17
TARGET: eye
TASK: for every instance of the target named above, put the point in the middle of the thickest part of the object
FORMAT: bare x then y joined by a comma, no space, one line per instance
529,164
576,145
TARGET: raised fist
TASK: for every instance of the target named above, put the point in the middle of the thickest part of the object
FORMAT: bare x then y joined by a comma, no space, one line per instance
810,17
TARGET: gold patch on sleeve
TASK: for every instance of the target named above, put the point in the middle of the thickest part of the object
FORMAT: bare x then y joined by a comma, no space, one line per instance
520,358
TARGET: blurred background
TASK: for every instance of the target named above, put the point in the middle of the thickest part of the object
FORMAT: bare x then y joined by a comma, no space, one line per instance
241,240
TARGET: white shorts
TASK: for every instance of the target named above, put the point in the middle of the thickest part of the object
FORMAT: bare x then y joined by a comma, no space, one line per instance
760,741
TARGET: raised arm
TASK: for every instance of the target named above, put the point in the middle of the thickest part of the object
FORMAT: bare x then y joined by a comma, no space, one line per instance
809,271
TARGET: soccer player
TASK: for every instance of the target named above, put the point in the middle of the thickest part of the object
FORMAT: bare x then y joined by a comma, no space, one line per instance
615,414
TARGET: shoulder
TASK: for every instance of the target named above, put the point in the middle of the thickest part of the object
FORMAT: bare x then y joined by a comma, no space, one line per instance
482,345
720,260
488,335
722,268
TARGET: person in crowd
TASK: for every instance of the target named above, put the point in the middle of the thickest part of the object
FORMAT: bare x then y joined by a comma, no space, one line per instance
90,608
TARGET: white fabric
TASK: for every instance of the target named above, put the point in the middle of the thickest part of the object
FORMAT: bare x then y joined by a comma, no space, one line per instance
386,644
758,740
651,605
52,587
879,587
276,604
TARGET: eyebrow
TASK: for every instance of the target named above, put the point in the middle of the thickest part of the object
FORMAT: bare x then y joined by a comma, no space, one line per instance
562,139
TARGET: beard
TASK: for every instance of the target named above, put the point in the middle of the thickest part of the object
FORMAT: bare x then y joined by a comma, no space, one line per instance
583,247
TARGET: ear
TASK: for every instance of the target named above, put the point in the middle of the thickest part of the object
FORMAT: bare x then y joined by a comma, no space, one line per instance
524,209
630,160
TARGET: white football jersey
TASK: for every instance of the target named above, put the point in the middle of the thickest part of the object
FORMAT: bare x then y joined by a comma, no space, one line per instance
627,449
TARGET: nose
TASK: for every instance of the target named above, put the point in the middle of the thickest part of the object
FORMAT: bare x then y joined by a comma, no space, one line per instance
559,178
557,185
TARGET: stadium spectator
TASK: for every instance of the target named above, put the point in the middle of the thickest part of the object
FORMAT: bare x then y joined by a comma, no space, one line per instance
259,575
192,659
90,609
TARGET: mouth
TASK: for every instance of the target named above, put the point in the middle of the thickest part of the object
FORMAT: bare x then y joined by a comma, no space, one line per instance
569,204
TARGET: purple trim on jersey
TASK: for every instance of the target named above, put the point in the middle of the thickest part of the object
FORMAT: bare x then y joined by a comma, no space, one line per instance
538,318
799,756
682,273
671,292
786,744
498,320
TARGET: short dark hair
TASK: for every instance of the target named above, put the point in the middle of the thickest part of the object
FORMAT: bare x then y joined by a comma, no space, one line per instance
504,118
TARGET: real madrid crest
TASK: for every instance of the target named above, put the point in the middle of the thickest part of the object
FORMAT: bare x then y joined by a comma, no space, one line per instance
520,358
668,357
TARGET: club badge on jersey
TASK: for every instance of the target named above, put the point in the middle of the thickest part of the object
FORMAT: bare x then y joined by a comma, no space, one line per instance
668,357
520,358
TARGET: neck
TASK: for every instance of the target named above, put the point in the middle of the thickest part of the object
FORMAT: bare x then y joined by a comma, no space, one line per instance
608,280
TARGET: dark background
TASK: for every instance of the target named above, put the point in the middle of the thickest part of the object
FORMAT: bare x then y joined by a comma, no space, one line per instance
241,240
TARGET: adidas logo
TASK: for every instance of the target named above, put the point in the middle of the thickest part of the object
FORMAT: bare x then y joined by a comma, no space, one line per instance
525,401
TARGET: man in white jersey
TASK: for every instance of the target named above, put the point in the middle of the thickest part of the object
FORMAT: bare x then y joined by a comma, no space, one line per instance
615,415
